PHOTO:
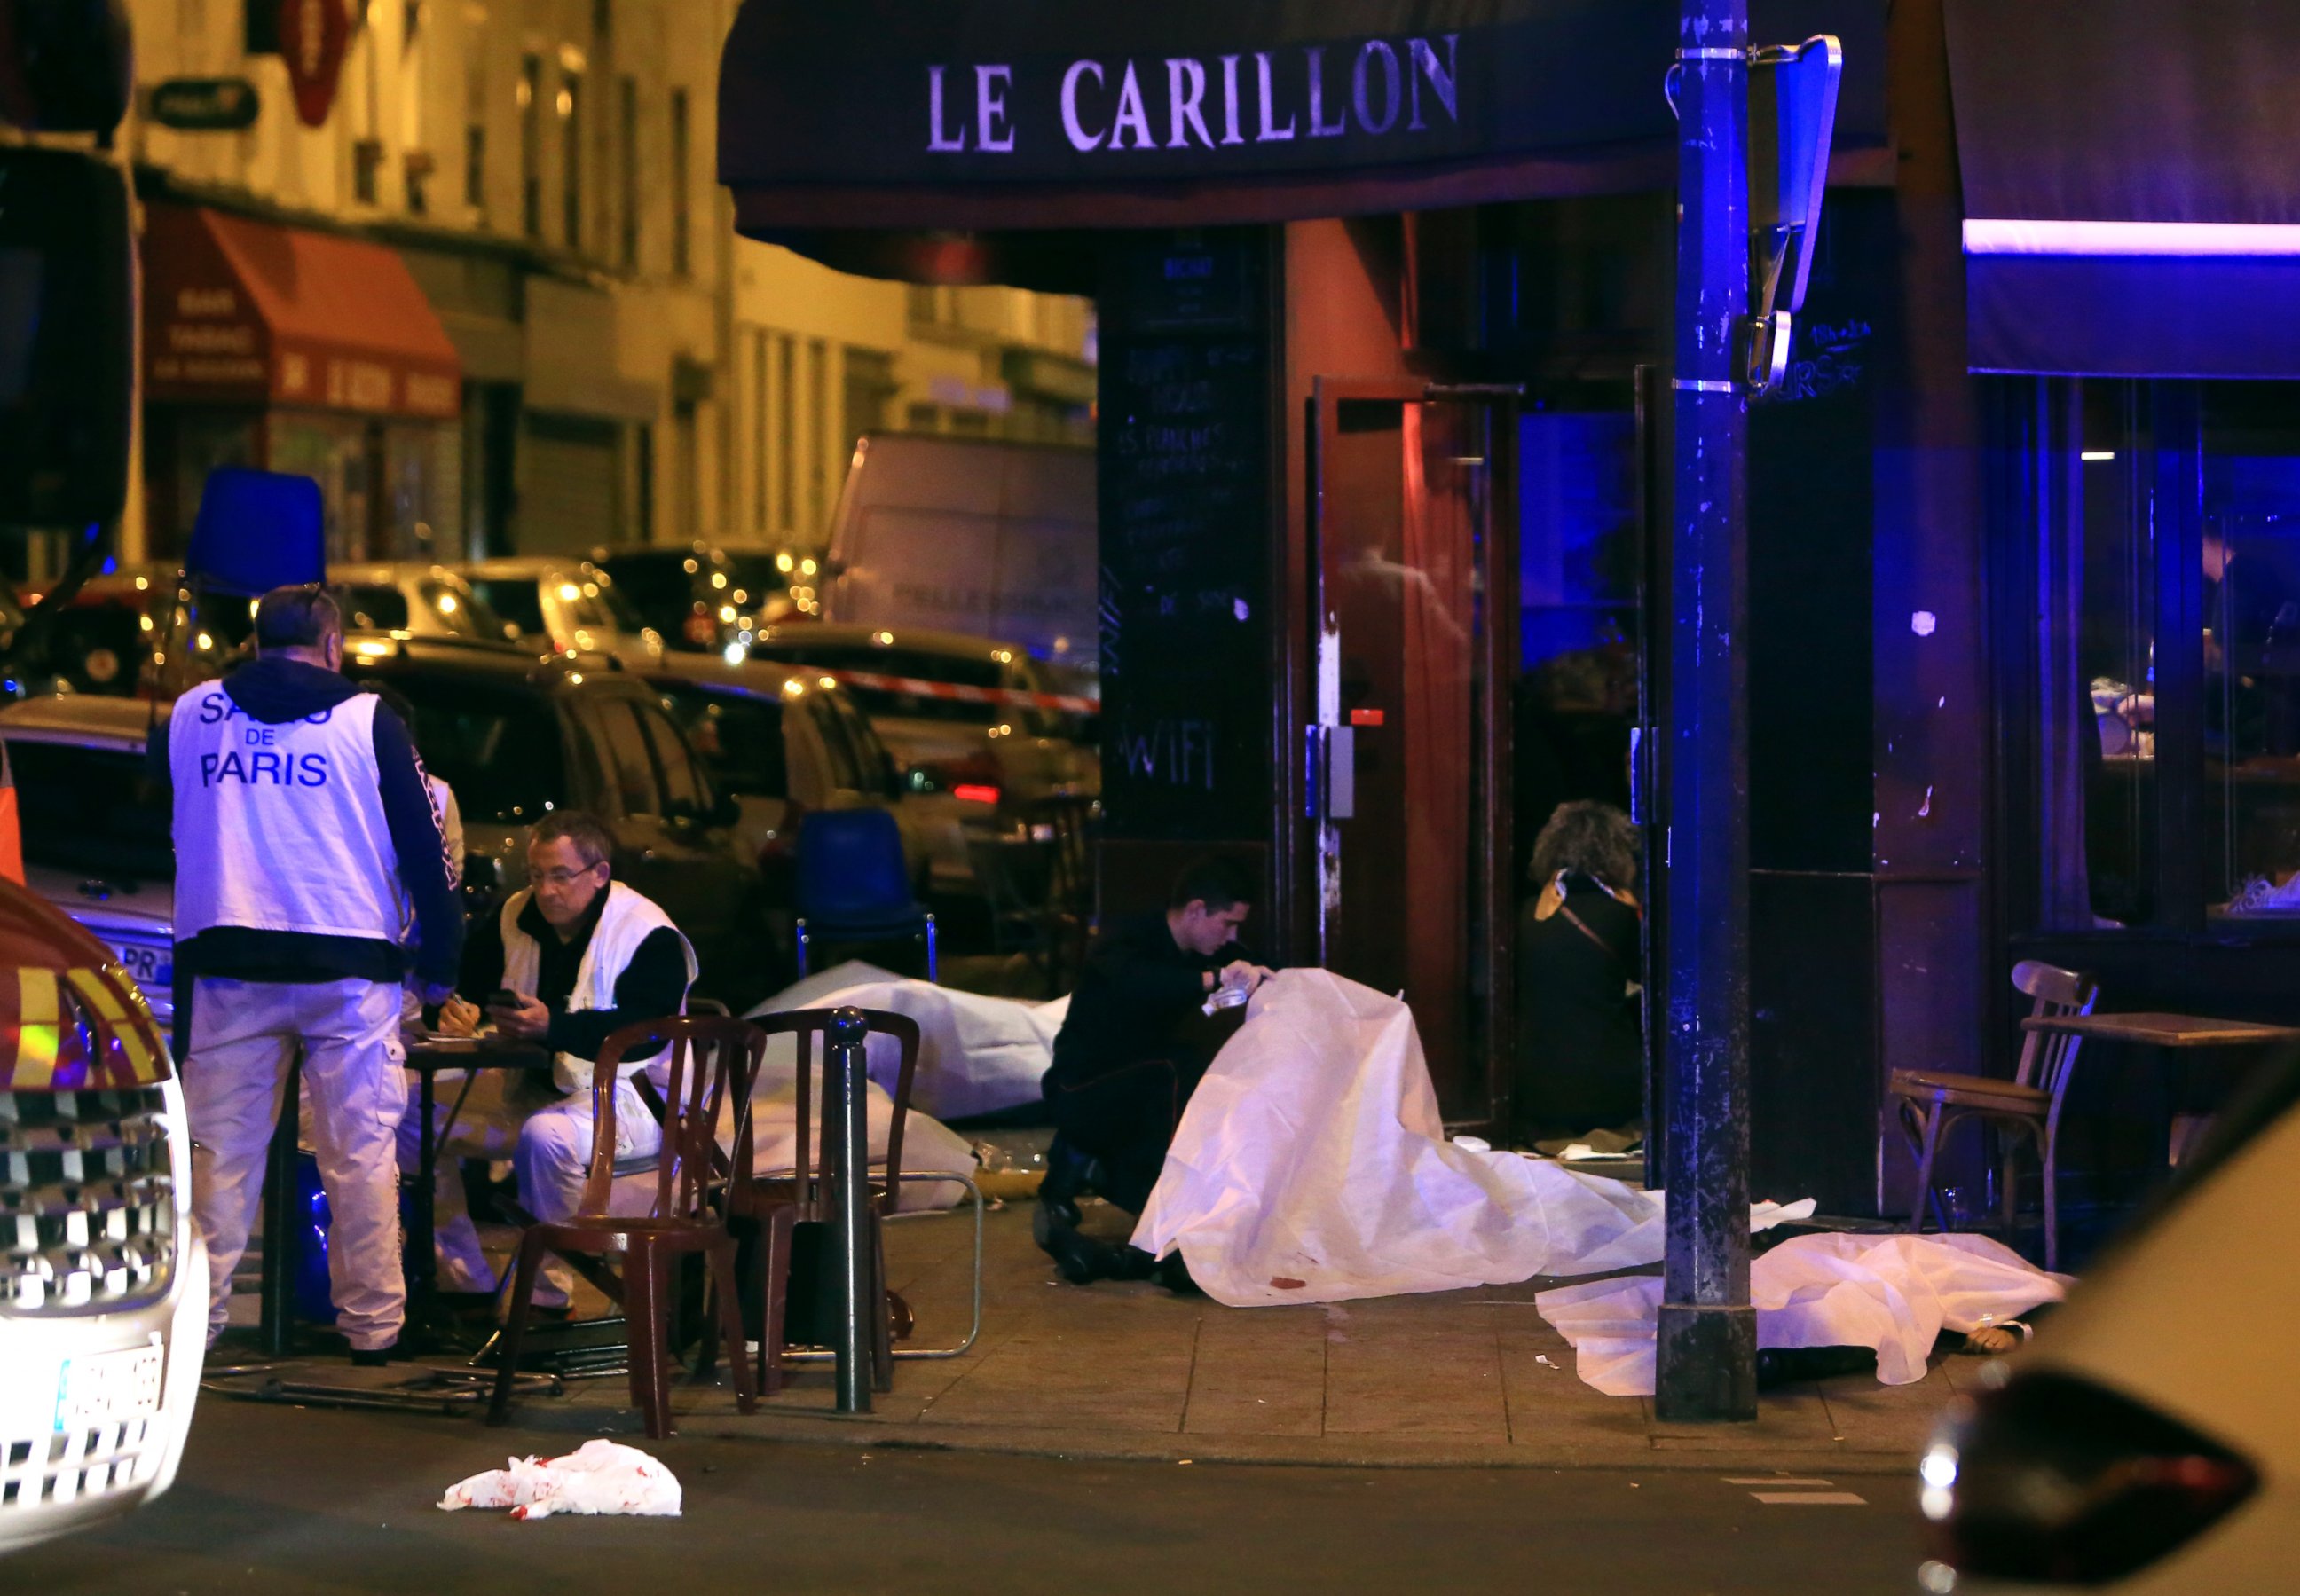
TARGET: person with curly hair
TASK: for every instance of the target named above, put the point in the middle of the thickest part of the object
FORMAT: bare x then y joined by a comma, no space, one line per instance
1580,1041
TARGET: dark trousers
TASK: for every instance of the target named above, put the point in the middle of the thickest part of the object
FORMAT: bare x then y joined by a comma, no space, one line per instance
1126,1116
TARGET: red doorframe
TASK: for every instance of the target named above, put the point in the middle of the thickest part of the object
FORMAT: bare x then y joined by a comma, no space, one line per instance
1413,530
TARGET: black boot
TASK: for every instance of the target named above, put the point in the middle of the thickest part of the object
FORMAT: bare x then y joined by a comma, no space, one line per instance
1174,1275
1069,1175
1082,1260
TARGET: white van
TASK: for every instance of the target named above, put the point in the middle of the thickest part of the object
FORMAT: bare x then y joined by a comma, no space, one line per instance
966,536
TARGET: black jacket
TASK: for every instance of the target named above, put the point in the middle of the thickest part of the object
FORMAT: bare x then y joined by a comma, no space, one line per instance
1580,1047
651,986
1138,997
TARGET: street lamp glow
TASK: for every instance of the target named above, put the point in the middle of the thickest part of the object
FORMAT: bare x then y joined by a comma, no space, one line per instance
783,564
806,566
733,653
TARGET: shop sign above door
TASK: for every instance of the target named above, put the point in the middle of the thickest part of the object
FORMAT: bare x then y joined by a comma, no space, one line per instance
312,36
202,105
907,114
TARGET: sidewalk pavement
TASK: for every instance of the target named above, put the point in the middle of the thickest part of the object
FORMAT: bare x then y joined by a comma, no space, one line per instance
1130,1371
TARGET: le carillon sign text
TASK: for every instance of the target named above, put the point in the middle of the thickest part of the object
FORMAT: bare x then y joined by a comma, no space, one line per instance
923,113
1271,97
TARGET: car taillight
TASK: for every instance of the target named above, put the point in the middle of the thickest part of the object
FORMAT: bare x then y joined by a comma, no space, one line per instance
781,846
2054,1480
974,780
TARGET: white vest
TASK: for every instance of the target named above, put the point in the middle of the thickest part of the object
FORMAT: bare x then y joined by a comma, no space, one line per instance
280,827
628,919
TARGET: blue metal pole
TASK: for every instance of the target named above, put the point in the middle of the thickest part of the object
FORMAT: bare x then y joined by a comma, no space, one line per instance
850,1104
1706,1351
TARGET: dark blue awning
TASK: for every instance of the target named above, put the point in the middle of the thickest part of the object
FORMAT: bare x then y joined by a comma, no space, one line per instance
968,117
2131,175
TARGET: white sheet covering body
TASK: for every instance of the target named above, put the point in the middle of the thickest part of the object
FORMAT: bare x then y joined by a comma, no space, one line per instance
1896,1294
977,1055
1311,1166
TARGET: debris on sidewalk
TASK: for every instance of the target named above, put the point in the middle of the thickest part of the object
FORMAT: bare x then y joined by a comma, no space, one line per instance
600,1476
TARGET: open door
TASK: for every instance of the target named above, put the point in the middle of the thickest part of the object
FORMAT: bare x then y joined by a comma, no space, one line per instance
1414,534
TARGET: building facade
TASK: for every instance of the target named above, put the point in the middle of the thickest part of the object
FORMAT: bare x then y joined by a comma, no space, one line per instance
494,303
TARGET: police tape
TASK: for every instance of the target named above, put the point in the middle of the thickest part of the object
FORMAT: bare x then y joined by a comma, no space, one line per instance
919,687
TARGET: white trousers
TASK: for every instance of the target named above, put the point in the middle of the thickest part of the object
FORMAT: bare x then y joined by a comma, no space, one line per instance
244,1036
547,1138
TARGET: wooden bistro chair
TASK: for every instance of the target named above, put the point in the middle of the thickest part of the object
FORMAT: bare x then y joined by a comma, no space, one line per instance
714,1061
778,1200
1928,1101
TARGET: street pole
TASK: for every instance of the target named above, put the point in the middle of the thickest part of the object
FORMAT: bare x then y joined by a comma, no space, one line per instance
1706,1353
849,1106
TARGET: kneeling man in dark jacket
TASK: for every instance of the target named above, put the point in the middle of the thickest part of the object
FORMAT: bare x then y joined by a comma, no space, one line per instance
1134,1046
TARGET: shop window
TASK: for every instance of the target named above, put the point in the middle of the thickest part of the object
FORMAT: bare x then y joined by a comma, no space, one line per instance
681,182
475,169
530,145
571,158
2168,757
628,152
367,161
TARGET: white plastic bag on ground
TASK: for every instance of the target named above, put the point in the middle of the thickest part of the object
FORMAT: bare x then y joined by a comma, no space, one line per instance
1896,1294
599,1476
1311,1166
977,1055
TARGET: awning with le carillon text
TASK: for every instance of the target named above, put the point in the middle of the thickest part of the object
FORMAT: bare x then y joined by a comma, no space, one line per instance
933,138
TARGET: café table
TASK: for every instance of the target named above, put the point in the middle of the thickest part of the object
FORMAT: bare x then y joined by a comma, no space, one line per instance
427,1058
2168,1033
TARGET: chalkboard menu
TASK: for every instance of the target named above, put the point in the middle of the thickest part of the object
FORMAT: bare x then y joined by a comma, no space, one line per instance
1187,373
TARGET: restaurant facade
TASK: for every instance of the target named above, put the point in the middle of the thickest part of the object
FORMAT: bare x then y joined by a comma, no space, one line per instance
1385,296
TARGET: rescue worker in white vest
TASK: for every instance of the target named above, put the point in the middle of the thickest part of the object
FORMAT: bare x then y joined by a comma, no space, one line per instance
583,955
304,839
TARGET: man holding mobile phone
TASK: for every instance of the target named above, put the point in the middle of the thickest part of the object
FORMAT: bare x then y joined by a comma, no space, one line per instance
570,960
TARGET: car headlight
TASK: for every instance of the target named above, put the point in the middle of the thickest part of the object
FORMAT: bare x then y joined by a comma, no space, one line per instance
2054,1480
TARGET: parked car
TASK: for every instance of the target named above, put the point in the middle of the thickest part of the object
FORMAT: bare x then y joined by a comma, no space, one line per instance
2149,1442
695,595
104,1282
787,741
417,597
138,629
97,834
516,738
966,715
566,606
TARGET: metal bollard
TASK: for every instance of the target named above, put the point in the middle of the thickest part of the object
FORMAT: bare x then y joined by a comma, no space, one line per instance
849,1098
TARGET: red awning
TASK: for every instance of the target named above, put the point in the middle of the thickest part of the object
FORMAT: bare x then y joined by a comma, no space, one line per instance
238,310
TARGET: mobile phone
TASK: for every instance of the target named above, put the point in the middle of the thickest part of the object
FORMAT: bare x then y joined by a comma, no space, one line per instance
503,997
